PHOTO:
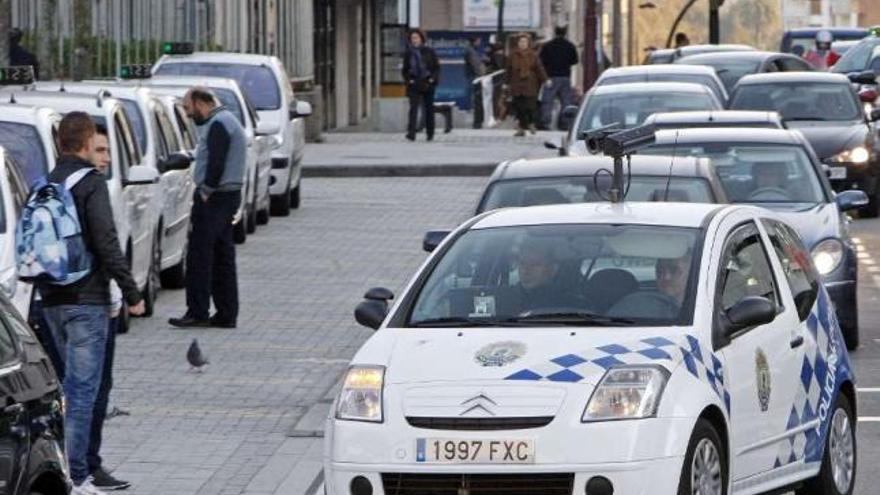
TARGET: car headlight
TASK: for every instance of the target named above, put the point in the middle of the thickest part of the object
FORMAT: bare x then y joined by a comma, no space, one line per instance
859,154
630,392
361,395
827,255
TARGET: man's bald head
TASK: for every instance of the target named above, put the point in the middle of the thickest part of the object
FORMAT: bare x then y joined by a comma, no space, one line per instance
198,103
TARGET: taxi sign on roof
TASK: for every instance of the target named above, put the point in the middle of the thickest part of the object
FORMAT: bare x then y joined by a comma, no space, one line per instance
18,74
177,48
136,71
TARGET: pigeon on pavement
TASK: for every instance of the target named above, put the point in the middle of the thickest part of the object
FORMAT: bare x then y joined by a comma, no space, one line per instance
195,357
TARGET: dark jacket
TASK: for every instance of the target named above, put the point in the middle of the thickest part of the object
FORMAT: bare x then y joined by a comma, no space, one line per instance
96,219
19,56
525,74
474,65
558,55
432,66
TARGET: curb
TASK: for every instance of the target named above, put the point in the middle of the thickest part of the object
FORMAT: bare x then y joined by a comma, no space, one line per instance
382,170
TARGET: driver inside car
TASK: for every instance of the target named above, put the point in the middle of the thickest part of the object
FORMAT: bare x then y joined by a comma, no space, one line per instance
540,284
769,175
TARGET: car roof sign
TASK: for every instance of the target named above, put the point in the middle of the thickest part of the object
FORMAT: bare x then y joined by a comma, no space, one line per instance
16,75
136,71
177,48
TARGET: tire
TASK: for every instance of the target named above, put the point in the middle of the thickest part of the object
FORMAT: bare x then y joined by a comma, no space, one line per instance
295,196
280,205
703,443
154,279
841,440
174,277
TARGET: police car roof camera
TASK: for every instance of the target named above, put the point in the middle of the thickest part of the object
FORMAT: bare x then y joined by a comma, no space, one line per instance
617,143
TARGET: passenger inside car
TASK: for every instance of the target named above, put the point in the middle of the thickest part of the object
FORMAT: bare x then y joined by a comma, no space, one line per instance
665,303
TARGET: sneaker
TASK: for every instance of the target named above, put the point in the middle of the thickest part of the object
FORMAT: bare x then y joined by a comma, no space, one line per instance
105,481
86,488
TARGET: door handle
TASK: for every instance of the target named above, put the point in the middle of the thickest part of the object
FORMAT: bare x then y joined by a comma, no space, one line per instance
797,341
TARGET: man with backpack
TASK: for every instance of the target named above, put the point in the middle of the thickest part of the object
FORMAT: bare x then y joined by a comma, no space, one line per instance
75,287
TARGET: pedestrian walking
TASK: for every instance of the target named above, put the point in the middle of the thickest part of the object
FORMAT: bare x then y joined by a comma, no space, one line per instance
219,176
474,67
18,55
77,313
421,71
558,56
525,75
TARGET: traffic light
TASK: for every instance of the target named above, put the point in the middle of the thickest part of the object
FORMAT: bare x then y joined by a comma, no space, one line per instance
177,48
136,71
18,74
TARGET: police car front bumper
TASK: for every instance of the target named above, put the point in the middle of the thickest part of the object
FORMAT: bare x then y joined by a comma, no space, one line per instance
636,457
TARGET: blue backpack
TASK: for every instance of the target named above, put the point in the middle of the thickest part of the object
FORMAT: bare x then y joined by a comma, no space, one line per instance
50,246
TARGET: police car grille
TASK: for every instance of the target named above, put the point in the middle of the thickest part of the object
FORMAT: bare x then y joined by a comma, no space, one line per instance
478,484
476,424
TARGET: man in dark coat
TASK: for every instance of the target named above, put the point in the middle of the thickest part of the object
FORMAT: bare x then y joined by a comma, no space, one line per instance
557,57
18,55
421,72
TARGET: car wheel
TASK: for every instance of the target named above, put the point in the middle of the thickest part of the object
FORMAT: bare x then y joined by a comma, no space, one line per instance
263,217
295,196
174,277
837,473
280,205
154,279
705,463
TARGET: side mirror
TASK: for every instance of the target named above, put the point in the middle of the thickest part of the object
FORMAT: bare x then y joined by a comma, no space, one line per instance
851,199
864,77
750,311
141,176
372,311
176,161
868,95
874,116
432,239
300,109
265,128
566,118
379,294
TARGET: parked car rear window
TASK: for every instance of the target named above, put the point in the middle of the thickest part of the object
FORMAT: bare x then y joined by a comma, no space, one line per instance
631,109
800,100
257,82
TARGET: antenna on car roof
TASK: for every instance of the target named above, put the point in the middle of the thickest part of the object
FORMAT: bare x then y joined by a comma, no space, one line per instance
671,164
12,98
62,89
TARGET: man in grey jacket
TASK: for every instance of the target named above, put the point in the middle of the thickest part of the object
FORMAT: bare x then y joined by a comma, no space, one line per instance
219,175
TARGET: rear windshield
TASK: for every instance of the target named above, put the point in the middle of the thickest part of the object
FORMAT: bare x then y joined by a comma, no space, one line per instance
631,109
689,78
800,100
257,82
23,142
559,190
731,71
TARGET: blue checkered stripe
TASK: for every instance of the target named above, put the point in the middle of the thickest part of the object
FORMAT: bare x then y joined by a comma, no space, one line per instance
824,339
575,367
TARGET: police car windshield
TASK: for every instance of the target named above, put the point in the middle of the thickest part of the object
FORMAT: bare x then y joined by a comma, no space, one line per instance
23,142
133,112
757,173
631,109
256,81
552,275
800,100
558,190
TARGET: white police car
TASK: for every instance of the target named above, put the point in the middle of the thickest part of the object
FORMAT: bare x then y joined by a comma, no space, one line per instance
13,195
637,348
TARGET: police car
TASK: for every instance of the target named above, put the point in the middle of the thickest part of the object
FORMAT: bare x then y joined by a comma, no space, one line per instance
160,149
258,172
632,348
266,84
133,187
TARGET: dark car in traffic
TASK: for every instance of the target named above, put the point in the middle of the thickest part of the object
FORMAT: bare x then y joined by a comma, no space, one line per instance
827,110
732,66
32,457
777,169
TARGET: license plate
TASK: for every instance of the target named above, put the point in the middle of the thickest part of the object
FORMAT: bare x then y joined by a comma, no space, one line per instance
445,451
837,172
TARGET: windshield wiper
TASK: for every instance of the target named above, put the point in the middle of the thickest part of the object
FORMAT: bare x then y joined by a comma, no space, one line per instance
461,321
576,318
802,119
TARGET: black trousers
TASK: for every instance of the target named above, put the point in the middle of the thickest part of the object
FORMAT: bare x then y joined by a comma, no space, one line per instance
99,413
525,108
210,261
425,101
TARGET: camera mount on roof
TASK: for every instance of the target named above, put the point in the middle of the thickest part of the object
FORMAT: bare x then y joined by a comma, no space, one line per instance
617,143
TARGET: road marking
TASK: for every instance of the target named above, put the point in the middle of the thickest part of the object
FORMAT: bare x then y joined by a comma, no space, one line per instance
869,419
856,240
862,255
874,269
868,390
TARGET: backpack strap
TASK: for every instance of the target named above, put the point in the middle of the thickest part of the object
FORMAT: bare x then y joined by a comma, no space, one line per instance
74,178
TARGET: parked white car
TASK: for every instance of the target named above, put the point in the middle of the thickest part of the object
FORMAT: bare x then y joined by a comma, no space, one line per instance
266,84
159,146
134,188
13,195
256,203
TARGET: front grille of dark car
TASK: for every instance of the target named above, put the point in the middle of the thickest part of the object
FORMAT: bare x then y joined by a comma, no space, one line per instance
478,484
476,424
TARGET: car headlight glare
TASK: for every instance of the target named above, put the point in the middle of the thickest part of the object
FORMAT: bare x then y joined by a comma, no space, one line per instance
630,392
859,154
827,255
361,395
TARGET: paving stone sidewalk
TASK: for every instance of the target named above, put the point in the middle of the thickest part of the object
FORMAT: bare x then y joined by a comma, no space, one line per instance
226,431
460,153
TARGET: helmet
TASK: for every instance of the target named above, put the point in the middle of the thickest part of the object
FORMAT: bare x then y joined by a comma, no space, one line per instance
824,36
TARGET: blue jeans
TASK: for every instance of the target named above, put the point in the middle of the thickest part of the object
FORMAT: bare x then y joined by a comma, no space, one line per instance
80,335
559,89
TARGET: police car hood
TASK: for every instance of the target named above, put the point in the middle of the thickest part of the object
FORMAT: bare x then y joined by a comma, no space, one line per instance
814,222
555,354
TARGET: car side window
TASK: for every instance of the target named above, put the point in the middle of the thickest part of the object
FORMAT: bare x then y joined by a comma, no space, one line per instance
167,129
8,350
745,269
161,143
792,64
796,264
189,140
18,185
123,145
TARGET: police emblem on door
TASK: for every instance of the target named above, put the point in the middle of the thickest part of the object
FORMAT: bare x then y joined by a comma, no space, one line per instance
762,379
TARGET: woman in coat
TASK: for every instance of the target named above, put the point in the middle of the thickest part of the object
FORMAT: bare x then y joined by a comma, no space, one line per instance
421,71
525,76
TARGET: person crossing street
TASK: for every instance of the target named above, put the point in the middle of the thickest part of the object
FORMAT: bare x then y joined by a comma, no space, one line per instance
557,56
219,175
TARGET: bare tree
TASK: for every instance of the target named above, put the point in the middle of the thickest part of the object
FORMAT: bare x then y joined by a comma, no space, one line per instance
5,27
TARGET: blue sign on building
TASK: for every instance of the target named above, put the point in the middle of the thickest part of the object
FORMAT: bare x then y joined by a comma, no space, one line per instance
451,47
